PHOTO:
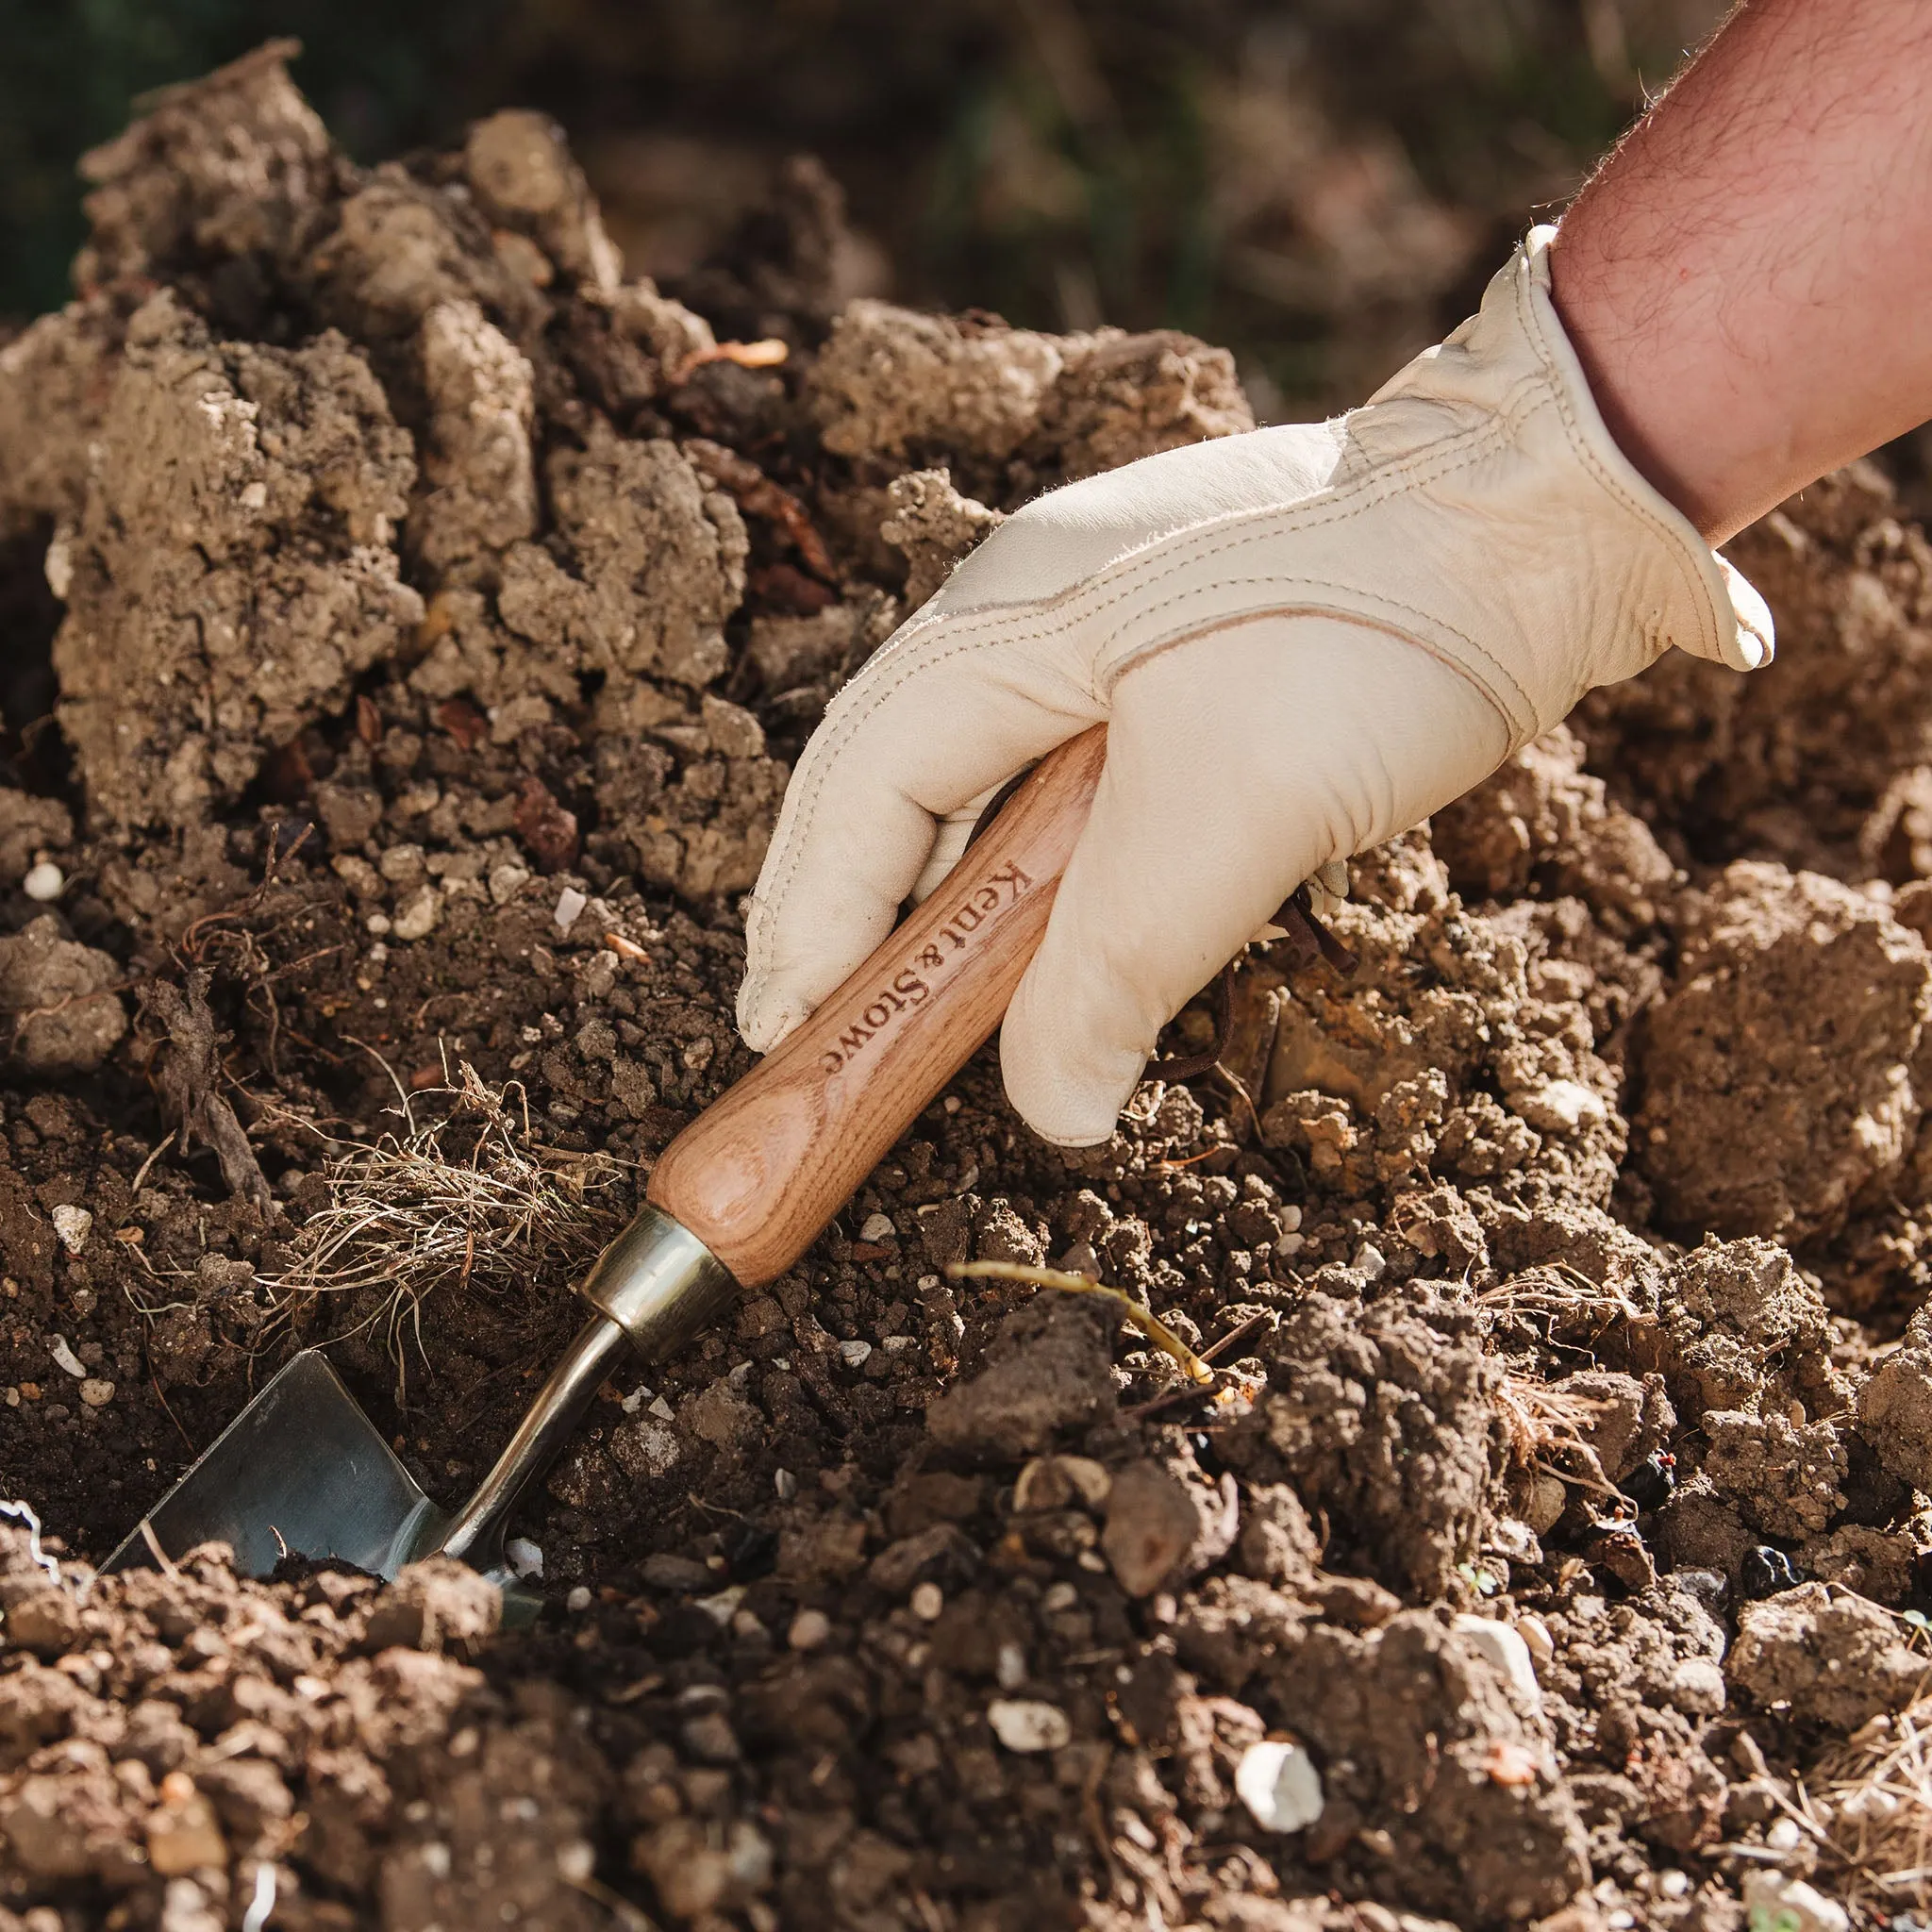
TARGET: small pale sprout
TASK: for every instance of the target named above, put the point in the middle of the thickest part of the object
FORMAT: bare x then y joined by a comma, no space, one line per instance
1026,1725
44,882
526,1558
1278,1783
73,1224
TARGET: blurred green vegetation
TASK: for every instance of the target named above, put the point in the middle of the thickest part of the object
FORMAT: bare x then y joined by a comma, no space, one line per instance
1320,183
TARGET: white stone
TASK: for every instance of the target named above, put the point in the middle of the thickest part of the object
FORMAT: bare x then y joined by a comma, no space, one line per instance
1536,1634
579,1599
1279,1785
1561,1107
526,1558
1505,1648
43,882
784,1485
927,1601
1009,1666
95,1393
73,1226
809,1629
855,1354
576,1861
724,1606
660,1408
1025,1725
1774,1899
570,907
506,882
878,1227
64,1357
418,916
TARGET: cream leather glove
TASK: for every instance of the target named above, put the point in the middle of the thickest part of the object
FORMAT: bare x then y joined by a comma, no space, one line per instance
1303,641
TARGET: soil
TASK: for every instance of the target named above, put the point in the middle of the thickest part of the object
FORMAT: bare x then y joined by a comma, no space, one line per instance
413,622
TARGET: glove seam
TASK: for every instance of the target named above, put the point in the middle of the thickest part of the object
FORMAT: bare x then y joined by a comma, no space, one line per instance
1366,620
1449,663
1583,444
984,629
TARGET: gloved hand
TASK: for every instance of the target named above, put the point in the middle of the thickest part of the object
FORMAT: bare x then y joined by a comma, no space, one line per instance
1303,640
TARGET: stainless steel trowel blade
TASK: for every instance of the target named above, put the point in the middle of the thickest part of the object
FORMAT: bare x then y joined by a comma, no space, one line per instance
300,1471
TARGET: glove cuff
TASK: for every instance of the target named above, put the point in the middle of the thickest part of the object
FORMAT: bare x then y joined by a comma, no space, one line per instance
1736,627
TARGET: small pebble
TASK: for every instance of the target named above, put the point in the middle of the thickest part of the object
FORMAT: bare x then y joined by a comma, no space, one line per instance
722,1607
1025,1725
570,907
784,1485
809,1629
95,1393
662,1409
64,1357
1536,1635
1009,1666
1369,1262
526,1558
579,1599
1784,1835
44,882
927,1600
1279,1785
1507,1649
576,1861
73,1226
855,1354
1672,1883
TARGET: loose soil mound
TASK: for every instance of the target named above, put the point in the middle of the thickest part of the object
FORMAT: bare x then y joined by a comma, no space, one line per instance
433,613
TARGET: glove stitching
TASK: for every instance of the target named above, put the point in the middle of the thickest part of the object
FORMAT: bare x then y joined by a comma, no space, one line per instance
1399,476
1577,434
1084,603
1141,653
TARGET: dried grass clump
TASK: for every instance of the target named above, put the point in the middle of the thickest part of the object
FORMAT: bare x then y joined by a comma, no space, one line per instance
1870,1811
468,1202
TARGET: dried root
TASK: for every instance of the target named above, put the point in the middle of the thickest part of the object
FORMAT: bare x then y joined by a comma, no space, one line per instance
1149,1325
467,1203
1871,1810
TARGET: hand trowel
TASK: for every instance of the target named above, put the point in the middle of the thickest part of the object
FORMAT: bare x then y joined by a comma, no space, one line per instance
731,1204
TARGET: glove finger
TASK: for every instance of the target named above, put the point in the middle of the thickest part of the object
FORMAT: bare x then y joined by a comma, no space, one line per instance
919,735
1236,766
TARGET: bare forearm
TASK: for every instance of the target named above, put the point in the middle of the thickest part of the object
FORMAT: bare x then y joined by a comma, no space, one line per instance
1748,277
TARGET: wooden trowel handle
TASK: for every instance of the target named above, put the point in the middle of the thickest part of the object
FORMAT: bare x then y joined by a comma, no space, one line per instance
759,1174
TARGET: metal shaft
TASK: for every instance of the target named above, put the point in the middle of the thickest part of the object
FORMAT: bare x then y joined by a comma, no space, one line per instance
653,1288
475,1533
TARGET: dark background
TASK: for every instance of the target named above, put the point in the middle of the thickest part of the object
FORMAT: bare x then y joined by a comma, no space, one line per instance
1322,184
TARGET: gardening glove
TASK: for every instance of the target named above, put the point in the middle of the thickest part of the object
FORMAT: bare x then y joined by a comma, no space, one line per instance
1303,641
